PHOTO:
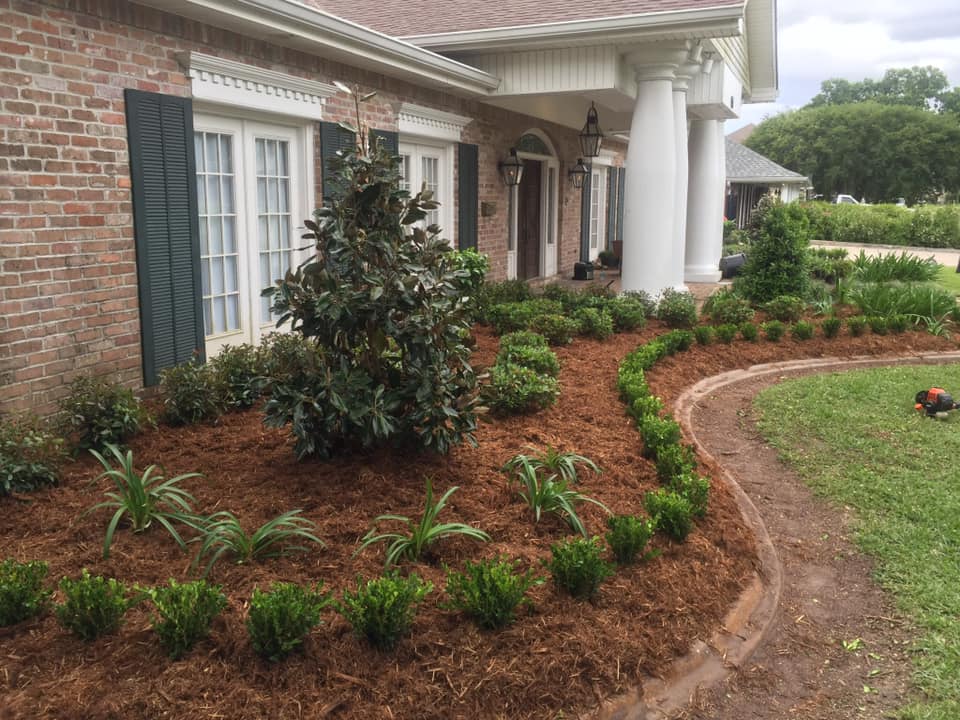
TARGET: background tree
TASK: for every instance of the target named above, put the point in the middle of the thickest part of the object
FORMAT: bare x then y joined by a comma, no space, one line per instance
867,149
926,88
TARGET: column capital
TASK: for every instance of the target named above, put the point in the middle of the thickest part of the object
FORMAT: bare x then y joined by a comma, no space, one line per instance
658,61
685,72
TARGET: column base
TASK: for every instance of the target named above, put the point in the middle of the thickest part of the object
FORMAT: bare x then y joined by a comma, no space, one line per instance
701,274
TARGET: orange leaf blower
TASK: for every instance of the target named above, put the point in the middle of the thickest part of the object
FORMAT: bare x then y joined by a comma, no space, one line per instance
935,402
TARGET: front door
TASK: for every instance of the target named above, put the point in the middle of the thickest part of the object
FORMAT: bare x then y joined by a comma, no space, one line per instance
528,221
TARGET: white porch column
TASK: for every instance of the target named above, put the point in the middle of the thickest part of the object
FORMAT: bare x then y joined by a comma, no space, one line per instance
650,261
681,84
704,242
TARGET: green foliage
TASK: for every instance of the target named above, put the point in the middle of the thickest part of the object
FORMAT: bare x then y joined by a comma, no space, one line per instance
490,591
545,487
497,293
931,226
918,87
918,299
516,316
726,307
142,498
628,313
704,334
21,590
594,323
627,537
890,266
93,606
645,405
30,455
522,339
184,613
898,323
284,356
672,512
675,341
222,533
726,333
830,326
96,413
551,461
475,265
281,618
541,360
862,149
694,488
785,308
515,389
238,374
802,330
644,299
878,325
381,611
578,567
677,308
856,325
388,305
674,461
411,544
773,330
658,434
192,393
778,259
557,329
749,331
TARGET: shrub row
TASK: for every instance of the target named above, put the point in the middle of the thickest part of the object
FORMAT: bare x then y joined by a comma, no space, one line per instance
933,226
524,377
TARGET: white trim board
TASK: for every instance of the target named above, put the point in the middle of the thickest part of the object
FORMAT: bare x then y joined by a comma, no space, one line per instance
430,123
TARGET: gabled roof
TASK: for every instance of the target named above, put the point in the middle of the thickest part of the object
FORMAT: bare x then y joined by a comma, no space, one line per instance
412,18
746,166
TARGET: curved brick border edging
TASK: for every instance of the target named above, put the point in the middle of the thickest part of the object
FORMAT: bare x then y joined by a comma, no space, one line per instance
747,622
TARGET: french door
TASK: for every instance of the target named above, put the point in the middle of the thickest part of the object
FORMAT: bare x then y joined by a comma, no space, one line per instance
251,197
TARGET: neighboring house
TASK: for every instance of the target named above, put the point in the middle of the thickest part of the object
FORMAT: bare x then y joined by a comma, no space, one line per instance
750,176
159,156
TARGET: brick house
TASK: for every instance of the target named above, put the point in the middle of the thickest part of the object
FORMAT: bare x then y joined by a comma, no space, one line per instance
158,156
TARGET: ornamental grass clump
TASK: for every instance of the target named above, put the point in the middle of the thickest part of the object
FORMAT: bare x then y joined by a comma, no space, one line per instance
382,610
878,325
281,618
628,536
388,304
671,511
96,413
222,533
578,567
22,595
856,325
93,605
142,498
30,455
419,536
490,591
184,613
547,491
831,326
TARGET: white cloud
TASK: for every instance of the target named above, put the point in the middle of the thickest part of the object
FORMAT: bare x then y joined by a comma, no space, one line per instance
855,39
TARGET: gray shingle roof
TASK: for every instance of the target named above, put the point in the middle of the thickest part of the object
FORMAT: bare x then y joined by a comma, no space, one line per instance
745,165
419,17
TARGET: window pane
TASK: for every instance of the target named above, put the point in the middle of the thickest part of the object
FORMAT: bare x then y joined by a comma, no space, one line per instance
271,152
205,275
230,273
283,159
261,195
207,317
204,241
216,276
216,236
233,312
198,151
219,315
213,195
212,144
272,190
261,158
229,235
227,193
274,232
284,196
226,154
262,233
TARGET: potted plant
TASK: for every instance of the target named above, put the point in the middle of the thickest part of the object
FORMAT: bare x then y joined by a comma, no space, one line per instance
608,259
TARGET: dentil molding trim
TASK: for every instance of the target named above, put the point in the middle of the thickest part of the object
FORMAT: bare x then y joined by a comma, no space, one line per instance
427,122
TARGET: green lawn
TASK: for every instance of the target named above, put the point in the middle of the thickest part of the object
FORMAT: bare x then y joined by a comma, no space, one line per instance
856,439
949,278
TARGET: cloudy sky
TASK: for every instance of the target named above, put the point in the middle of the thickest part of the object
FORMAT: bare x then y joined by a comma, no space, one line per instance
854,39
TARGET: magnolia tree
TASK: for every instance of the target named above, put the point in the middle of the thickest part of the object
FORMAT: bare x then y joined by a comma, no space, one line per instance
386,303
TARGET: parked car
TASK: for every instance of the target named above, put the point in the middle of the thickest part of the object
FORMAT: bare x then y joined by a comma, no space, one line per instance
846,200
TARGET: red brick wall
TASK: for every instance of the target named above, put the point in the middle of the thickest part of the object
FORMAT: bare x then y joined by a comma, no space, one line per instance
68,294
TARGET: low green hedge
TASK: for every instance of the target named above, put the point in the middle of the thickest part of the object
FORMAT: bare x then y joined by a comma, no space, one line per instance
935,226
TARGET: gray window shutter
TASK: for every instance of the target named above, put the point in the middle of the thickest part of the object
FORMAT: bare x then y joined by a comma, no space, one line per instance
622,177
613,201
166,231
390,138
585,217
333,139
468,190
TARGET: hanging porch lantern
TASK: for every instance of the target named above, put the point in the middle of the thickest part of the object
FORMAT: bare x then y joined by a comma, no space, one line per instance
591,136
511,169
578,173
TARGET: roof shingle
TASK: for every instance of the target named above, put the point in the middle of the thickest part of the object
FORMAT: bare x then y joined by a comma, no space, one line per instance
745,164
428,17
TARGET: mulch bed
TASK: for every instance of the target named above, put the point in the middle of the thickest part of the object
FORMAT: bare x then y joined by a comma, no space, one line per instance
564,655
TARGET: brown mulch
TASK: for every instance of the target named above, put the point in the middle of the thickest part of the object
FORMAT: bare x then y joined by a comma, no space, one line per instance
565,655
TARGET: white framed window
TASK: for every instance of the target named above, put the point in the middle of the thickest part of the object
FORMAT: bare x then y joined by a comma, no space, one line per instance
598,210
254,188
431,166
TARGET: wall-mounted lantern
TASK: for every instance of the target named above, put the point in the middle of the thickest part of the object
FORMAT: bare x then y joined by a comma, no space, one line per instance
511,169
